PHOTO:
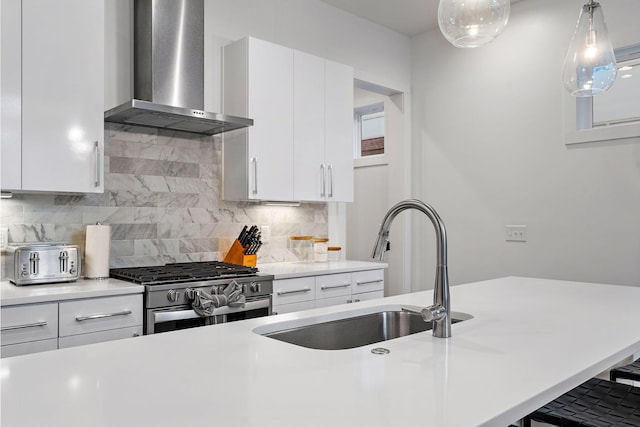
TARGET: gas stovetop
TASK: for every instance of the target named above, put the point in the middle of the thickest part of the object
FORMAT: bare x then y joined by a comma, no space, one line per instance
182,272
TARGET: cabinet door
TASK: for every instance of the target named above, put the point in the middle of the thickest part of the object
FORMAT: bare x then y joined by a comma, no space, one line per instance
102,336
333,285
293,307
308,128
100,314
28,347
339,131
367,281
62,95
25,323
10,94
270,93
287,291
367,296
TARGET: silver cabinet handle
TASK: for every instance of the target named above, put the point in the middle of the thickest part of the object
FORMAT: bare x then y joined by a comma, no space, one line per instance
297,291
324,181
369,282
27,325
325,287
102,315
330,168
254,162
98,169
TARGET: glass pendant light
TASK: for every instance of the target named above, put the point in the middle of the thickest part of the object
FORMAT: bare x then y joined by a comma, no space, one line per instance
472,23
590,65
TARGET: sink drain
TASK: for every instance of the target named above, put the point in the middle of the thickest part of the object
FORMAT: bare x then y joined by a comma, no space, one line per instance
380,351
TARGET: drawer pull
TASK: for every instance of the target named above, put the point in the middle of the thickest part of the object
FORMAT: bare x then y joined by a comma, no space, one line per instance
102,315
325,287
28,325
297,291
369,282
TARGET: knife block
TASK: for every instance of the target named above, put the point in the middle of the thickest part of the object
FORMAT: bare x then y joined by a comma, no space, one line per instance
236,256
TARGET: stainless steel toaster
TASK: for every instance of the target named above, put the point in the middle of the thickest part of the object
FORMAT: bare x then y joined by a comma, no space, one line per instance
39,263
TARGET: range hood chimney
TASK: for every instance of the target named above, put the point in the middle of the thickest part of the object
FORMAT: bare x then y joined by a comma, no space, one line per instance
168,84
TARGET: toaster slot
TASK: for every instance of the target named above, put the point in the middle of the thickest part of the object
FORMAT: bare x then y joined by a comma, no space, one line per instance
34,263
64,261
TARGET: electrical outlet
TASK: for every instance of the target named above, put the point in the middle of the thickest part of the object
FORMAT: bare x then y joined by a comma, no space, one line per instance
516,233
4,237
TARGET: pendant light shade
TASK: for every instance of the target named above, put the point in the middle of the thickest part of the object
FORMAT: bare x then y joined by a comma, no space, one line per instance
590,65
472,23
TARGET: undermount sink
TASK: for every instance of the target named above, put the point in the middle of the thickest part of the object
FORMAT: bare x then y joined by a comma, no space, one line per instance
353,329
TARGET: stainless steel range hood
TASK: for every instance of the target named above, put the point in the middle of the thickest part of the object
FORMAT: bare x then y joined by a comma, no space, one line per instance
168,84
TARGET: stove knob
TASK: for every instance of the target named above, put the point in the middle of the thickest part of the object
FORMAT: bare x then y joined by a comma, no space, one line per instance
173,295
255,286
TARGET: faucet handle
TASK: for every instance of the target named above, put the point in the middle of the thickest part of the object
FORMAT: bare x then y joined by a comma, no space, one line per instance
429,314
433,313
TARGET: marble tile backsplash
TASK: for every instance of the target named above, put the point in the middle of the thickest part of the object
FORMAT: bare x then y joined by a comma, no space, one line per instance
162,199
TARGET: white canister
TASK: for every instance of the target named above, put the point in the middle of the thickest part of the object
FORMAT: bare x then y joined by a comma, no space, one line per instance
334,253
96,251
320,249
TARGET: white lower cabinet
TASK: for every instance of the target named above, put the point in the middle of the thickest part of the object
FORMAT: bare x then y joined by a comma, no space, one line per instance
293,294
95,337
29,329
325,290
32,328
11,350
28,323
100,319
367,285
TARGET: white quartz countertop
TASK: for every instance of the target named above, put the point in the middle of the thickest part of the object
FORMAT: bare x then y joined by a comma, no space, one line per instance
290,270
11,294
530,340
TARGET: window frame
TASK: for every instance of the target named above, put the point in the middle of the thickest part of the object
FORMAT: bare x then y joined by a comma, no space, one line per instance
373,159
578,113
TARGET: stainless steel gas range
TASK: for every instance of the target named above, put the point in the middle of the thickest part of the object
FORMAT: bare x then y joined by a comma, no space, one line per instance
192,294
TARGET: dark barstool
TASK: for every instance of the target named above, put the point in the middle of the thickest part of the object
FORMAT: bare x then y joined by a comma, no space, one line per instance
596,403
627,372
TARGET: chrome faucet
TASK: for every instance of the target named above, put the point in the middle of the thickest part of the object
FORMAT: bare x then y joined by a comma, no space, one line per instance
440,312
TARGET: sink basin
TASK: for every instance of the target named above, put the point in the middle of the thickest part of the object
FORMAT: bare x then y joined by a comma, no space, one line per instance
357,329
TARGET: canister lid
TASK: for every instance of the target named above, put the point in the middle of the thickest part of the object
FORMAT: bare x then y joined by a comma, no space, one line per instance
334,248
320,240
300,237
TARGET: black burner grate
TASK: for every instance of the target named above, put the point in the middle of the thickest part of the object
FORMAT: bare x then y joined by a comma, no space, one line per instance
181,272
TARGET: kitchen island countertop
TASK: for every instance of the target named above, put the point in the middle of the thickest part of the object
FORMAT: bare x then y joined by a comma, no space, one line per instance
529,341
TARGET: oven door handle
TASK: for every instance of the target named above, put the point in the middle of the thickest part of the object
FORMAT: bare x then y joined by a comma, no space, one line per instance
168,316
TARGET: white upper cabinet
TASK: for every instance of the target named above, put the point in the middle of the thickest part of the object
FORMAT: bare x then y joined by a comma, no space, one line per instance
308,129
58,144
299,147
338,135
258,161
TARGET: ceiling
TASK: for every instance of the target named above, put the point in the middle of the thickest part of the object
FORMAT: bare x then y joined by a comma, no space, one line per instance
409,17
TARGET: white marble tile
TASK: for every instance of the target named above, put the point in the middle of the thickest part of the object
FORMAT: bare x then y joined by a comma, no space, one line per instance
107,215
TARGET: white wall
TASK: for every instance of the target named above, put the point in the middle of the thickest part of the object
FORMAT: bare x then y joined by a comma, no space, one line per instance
489,151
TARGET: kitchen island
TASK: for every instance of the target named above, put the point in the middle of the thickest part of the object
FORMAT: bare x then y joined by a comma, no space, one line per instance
529,341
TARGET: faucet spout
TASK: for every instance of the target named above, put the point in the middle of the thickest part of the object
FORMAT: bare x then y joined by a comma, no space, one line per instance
440,312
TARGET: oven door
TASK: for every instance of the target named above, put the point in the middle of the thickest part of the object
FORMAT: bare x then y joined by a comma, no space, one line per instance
184,317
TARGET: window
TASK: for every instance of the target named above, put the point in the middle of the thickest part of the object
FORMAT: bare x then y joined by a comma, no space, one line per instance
614,114
370,130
